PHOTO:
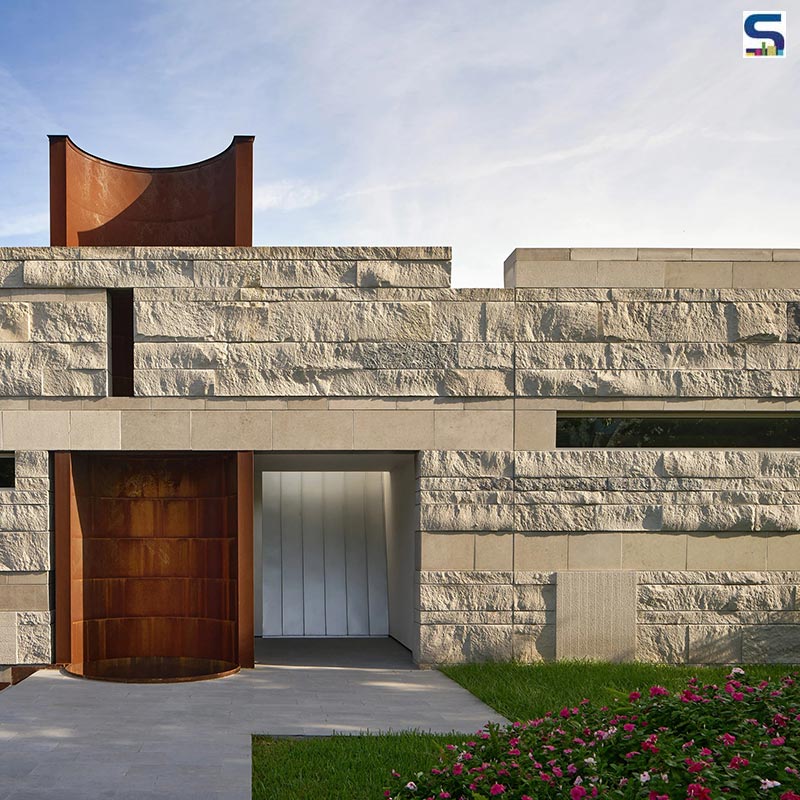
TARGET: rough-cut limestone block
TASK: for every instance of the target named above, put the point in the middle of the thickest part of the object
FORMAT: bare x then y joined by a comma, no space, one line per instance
527,577
596,615
174,321
556,518
529,597
108,273
74,383
467,517
777,518
181,355
32,464
466,463
467,577
245,322
24,518
404,273
771,644
593,383
472,322
689,322
662,644
227,273
721,598
34,635
557,322
533,643
692,577
587,463
709,518
465,617
449,498
757,322
11,274
715,644
562,355
75,355
663,355
710,463
175,383
768,356
342,322
547,617
718,618
308,273
442,644
779,464
15,322
465,597
466,484
69,322
27,551
625,322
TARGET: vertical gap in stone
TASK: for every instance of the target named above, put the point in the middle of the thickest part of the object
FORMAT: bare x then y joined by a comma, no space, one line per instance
121,342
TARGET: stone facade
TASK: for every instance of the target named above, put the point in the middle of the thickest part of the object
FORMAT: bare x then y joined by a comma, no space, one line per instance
369,349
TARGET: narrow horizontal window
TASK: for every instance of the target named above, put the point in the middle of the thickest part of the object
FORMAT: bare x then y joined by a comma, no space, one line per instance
7,470
733,432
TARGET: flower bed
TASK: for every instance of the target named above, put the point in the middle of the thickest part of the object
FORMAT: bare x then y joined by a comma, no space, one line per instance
703,743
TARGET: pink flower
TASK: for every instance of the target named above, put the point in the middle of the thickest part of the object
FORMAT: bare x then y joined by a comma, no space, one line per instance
738,761
697,790
633,696
577,792
497,788
658,691
790,796
628,727
728,739
768,784
656,796
563,713
778,741
458,769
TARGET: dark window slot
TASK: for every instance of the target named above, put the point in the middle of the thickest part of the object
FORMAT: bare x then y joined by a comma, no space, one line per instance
732,432
7,472
121,342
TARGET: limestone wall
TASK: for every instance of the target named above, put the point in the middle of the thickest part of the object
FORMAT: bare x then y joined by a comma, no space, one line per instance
707,537
25,603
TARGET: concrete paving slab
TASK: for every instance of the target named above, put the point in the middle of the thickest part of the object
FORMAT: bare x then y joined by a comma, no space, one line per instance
74,738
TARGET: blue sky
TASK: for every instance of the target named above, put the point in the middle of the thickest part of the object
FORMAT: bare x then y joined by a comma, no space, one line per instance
485,126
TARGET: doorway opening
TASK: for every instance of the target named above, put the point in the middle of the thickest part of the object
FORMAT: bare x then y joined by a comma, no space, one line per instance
334,549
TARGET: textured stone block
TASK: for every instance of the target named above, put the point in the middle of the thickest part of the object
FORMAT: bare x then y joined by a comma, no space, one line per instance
69,322
32,463
24,552
757,322
34,639
467,517
442,644
662,644
532,643
721,644
307,273
404,273
771,644
468,464
15,322
466,597
557,322
596,615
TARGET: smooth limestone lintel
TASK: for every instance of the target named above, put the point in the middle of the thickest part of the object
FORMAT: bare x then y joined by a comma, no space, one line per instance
691,268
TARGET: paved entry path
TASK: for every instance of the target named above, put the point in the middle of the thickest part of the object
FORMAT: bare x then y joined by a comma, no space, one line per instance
76,739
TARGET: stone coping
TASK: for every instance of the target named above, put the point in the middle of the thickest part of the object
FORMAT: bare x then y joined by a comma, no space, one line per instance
333,253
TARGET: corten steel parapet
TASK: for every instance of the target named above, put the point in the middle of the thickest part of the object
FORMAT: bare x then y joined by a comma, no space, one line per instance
94,202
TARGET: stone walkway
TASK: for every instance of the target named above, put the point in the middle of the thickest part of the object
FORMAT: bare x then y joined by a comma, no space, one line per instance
74,739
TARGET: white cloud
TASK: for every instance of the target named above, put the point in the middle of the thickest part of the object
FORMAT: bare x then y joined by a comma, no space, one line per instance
285,195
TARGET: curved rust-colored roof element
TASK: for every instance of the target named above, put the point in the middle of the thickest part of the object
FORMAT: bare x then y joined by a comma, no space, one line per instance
99,202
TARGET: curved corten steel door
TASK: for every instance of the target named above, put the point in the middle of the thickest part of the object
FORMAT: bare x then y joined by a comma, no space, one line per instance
156,544
99,202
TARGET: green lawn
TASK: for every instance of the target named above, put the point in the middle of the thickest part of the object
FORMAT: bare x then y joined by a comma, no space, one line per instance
357,767
525,691
339,767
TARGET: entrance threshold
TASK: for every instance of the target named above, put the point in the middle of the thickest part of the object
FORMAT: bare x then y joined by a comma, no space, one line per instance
360,653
